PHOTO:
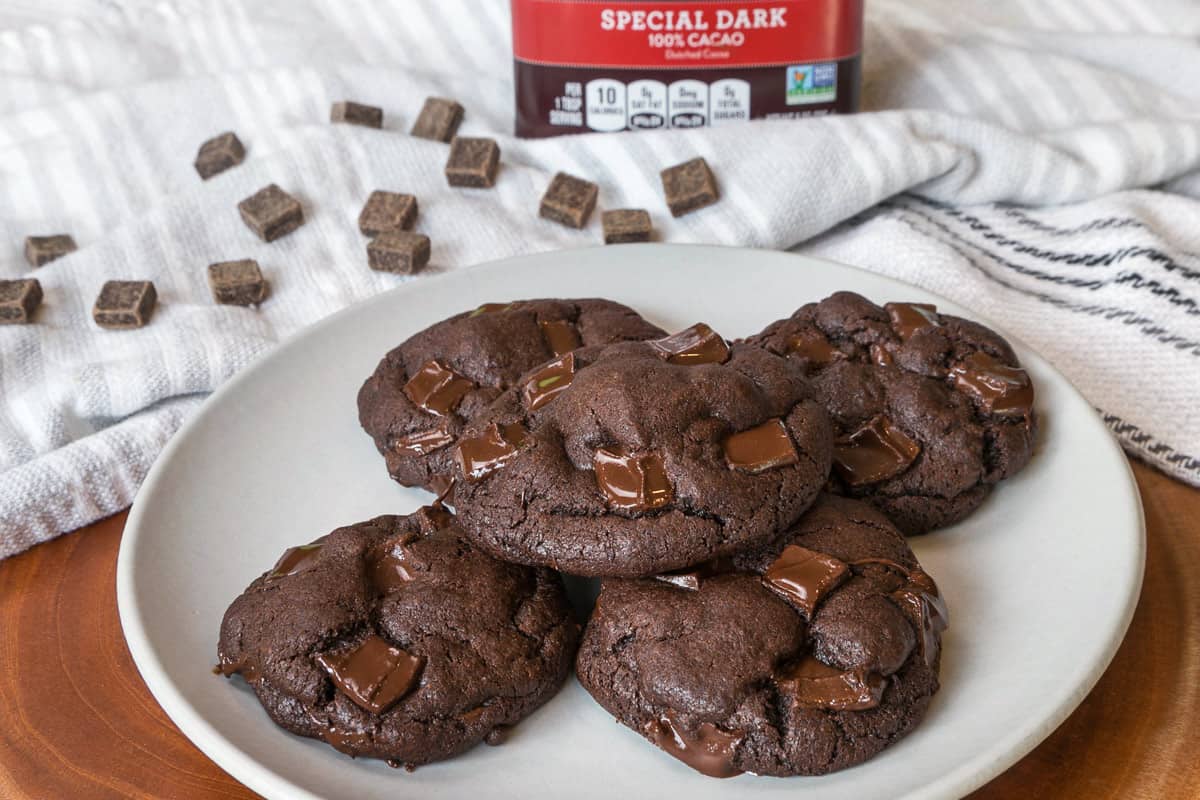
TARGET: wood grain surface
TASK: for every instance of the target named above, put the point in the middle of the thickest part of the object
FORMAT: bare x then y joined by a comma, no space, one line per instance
77,722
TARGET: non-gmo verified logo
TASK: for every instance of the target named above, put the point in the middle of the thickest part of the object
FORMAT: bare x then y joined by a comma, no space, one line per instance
811,83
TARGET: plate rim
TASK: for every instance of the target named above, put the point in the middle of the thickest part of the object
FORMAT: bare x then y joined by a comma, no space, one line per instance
969,775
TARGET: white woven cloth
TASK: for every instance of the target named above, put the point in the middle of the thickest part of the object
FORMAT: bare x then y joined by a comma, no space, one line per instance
1047,158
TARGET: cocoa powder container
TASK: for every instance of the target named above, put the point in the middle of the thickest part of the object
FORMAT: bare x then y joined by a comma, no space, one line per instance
590,65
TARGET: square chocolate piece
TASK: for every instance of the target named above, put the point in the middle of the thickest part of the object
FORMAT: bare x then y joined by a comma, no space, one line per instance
237,283
438,120
18,300
569,200
124,304
219,154
387,212
41,250
473,162
404,252
689,186
626,225
271,213
356,114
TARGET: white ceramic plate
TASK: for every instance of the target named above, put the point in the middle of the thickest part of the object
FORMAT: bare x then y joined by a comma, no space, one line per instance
1041,581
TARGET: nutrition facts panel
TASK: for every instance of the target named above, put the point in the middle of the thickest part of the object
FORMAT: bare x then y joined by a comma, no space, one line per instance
612,105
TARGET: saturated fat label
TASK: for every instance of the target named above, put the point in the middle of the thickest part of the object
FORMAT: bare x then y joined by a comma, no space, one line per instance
597,65
683,35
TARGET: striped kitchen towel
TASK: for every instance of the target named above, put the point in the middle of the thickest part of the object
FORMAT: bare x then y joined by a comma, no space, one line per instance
1037,162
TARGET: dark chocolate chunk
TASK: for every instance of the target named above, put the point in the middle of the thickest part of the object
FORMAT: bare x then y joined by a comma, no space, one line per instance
484,454
403,252
124,304
560,335
624,225
438,120
374,674
421,443
237,283
880,356
999,388
356,114
689,578
547,382
689,186
814,348
709,750
18,300
271,213
219,154
875,452
41,250
436,388
473,162
817,685
492,308
393,568
569,200
387,212
297,559
804,577
634,482
920,600
908,318
698,344
761,448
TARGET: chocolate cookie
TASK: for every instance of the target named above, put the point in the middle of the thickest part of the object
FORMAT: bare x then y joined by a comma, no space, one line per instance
643,456
397,639
423,392
930,410
801,659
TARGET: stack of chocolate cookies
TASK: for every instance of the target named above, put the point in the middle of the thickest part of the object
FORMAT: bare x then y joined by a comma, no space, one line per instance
743,504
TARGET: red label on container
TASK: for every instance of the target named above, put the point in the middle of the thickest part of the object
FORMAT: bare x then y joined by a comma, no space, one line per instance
685,35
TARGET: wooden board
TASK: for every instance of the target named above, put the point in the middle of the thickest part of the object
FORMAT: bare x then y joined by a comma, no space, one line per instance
77,722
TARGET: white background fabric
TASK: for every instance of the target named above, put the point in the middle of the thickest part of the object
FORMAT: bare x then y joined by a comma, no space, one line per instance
1037,162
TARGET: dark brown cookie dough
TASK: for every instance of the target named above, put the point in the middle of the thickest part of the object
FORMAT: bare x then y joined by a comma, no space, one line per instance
397,639
468,361
800,659
643,456
930,410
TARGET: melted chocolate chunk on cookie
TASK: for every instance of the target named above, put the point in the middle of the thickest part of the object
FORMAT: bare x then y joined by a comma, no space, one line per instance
690,577
480,455
437,389
698,344
814,348
818,685
631,481
420,443
999,388
547,382
804,577
909,318
373,674
761,448
875,452
708,750
297,559
560,335
920,599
